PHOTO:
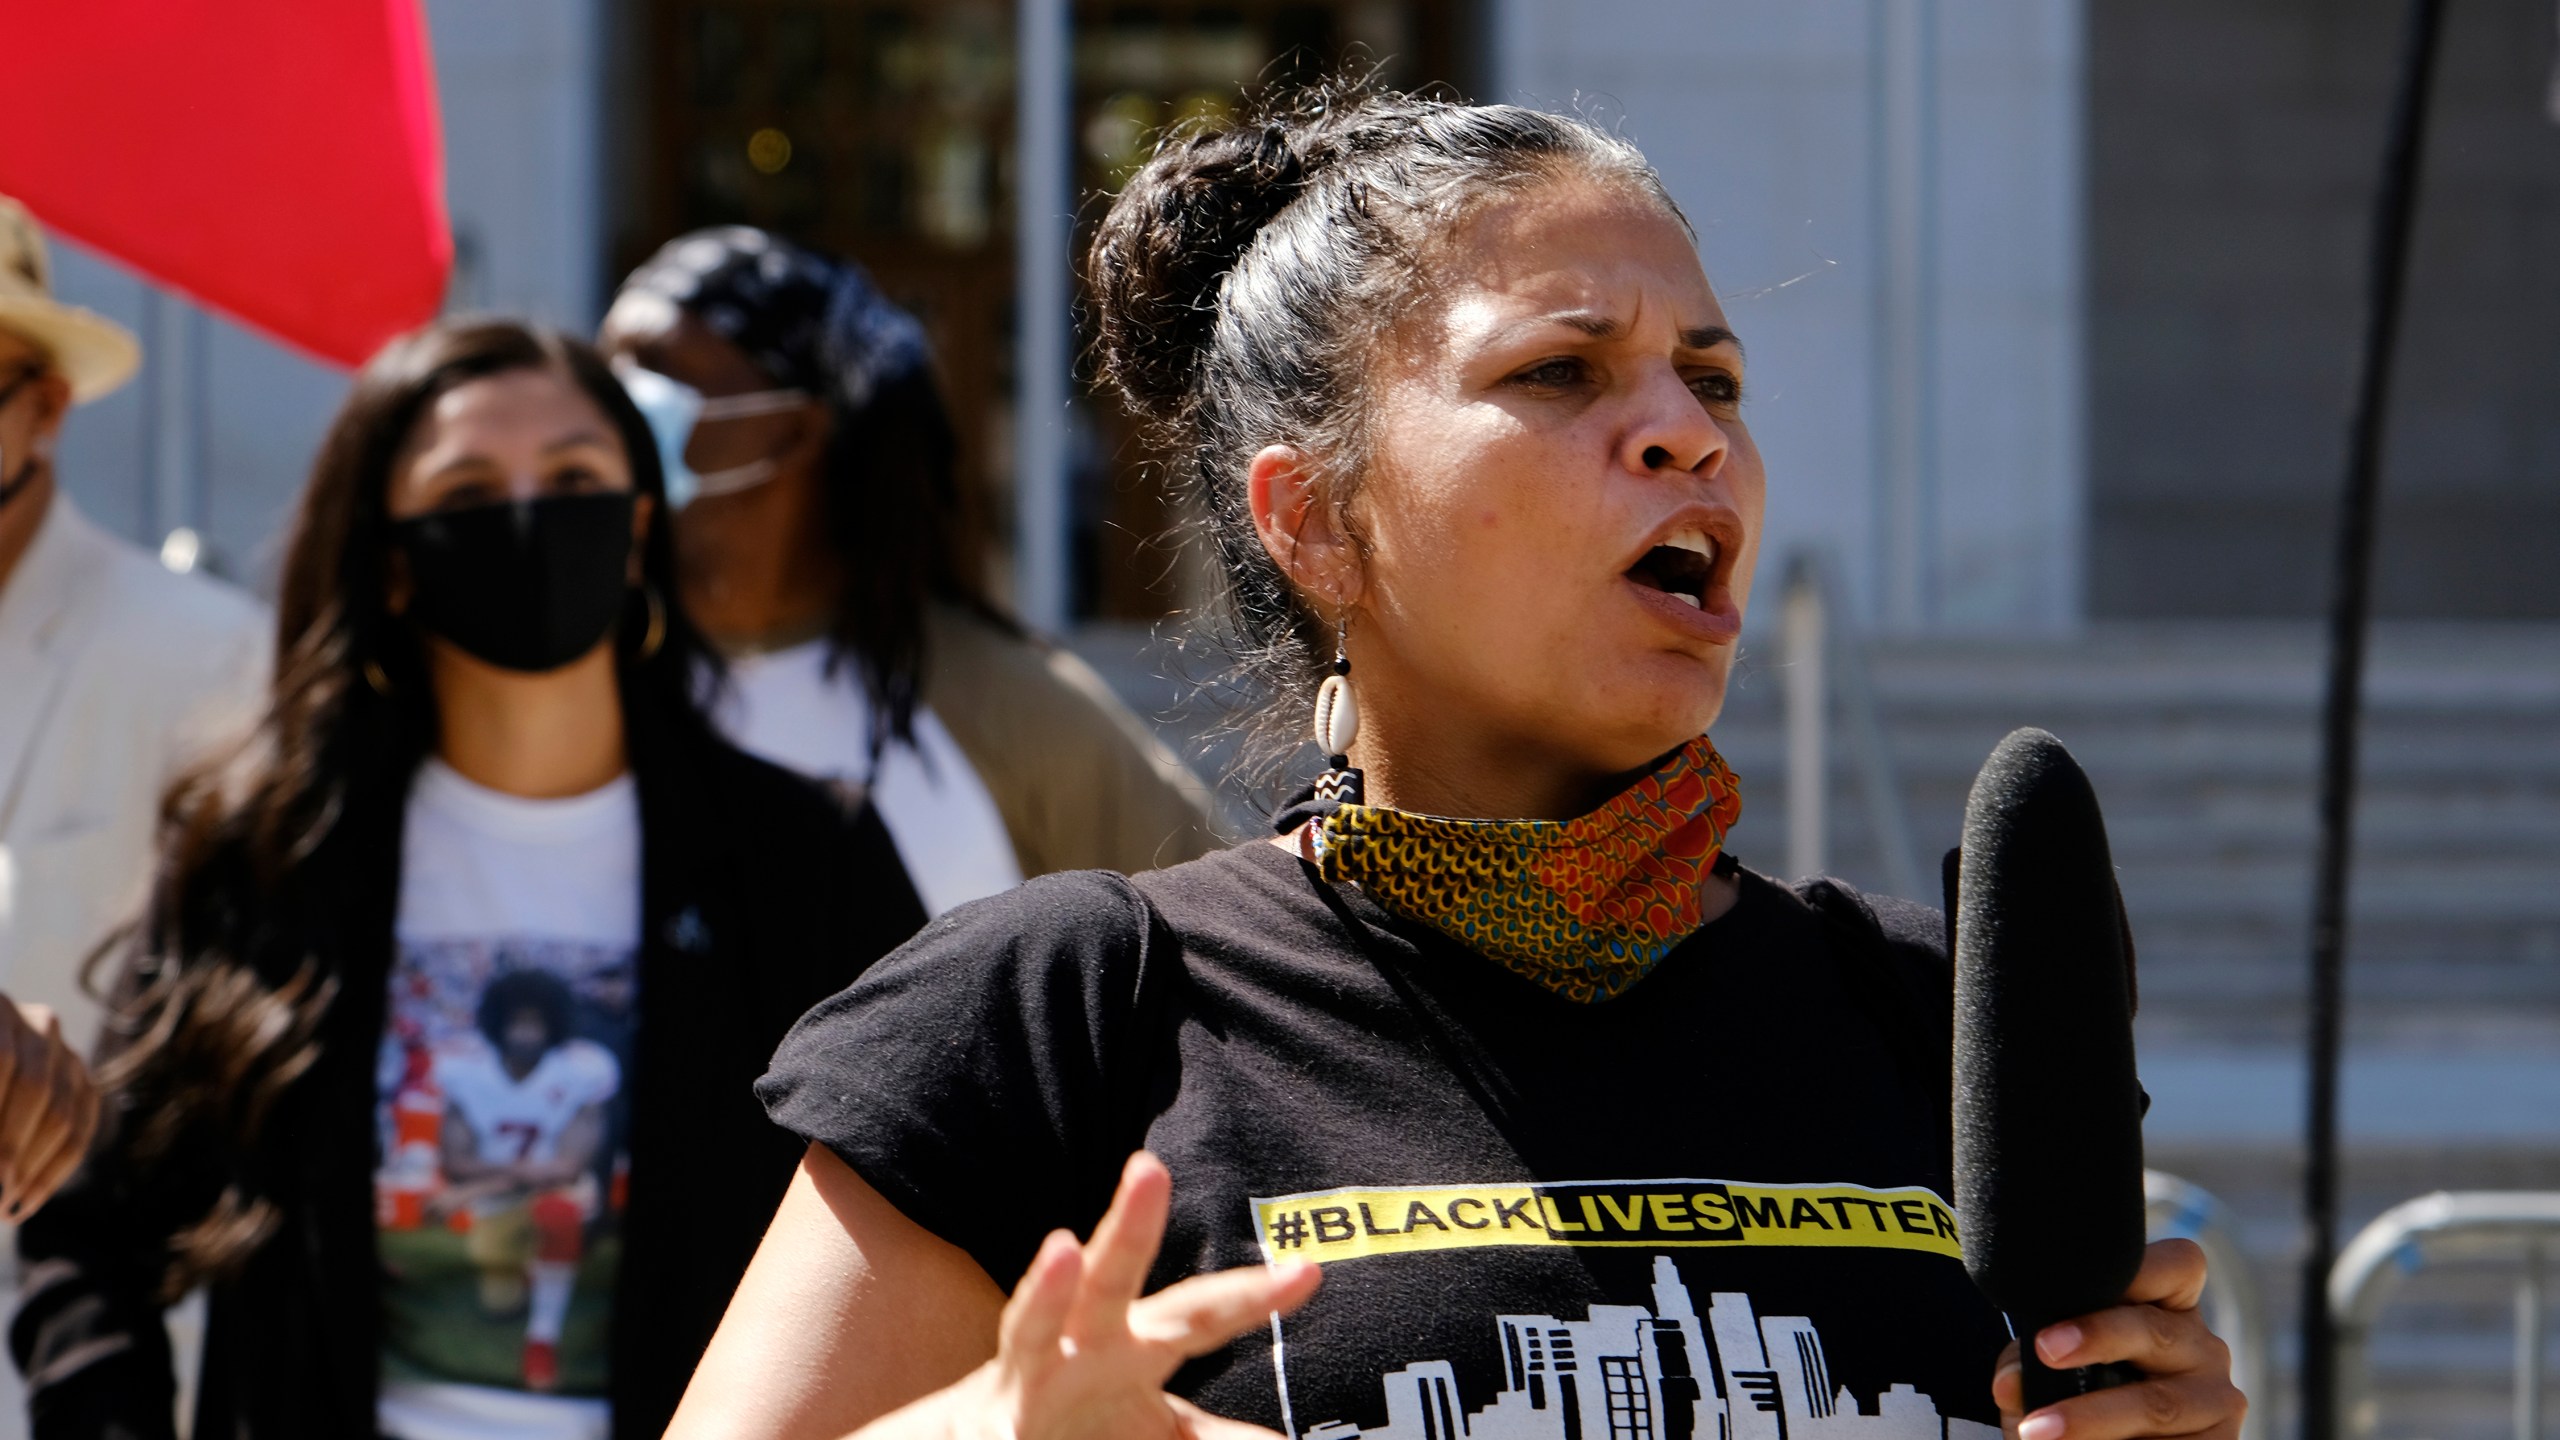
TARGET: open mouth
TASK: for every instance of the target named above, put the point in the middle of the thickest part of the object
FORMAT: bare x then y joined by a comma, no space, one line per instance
1679,567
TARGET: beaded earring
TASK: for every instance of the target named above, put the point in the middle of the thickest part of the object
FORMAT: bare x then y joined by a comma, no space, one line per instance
1337,726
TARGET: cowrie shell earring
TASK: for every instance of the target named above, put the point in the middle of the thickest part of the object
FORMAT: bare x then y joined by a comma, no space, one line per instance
1338,728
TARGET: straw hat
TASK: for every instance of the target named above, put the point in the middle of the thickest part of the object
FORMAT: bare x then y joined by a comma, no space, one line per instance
91,351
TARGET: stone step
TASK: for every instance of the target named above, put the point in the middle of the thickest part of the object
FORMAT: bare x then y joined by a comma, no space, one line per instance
2238,660
2157,768
2405,825
2255,845
2134,751
2203,742
2502,888
2382,968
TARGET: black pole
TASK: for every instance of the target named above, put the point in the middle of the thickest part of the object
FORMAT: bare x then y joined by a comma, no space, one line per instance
2351,604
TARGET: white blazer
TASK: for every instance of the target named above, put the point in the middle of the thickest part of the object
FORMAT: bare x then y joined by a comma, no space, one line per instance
115,674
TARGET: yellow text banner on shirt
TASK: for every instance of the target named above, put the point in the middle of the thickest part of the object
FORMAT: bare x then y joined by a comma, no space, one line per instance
1332,1225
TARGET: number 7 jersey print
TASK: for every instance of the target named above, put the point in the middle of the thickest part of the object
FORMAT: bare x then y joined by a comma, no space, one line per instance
504,1096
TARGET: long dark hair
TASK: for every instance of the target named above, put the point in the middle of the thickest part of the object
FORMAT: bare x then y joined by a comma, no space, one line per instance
901,538
896,523
232,970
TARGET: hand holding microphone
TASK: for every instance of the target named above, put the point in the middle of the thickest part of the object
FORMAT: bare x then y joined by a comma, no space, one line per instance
2048,1125
2177,1374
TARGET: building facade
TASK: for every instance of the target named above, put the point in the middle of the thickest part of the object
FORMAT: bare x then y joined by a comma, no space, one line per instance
2050,303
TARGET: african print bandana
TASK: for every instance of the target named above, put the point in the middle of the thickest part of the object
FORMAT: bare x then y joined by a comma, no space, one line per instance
1584,907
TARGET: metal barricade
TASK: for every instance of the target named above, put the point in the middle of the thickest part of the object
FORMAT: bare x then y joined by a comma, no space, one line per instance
2518,1225
2180,1209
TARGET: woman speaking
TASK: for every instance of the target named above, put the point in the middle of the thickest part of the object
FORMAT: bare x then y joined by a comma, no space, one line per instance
1592,1131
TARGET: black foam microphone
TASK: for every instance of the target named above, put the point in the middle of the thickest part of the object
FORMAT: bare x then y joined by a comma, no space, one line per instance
2048,1111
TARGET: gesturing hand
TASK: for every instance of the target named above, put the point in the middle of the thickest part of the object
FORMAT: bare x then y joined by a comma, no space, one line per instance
48,1108
2189,1392
1081,1356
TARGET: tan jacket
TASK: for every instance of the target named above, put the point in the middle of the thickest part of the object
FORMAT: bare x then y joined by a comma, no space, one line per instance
114,675
1082,783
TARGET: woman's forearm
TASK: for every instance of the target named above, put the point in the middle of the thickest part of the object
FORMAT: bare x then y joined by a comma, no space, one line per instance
957,1411
851,1317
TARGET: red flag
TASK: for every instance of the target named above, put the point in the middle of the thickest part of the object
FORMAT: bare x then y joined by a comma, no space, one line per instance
277,160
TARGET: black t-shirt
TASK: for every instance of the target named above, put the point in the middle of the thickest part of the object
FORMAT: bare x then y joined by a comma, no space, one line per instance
1714,1207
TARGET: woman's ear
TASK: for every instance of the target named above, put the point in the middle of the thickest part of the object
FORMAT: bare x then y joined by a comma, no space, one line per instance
1300,528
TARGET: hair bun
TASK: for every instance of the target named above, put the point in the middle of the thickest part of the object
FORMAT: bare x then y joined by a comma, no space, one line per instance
1172,234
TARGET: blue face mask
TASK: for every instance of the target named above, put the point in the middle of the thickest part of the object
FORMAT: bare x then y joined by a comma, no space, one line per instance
674,408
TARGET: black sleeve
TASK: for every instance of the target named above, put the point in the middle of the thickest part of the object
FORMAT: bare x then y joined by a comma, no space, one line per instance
88,1335
1911,941
990,1076
1895,958
826,894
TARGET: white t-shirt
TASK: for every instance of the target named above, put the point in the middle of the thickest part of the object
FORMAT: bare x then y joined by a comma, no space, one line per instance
783,706
514,1000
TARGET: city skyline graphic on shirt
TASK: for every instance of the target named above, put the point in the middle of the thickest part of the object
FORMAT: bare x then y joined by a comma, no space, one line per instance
1628,1373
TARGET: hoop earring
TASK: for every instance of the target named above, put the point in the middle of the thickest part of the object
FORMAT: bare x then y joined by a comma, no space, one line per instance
656,638
374,679
1338,726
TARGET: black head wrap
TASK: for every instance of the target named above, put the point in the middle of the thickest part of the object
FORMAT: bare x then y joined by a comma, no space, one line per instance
811,321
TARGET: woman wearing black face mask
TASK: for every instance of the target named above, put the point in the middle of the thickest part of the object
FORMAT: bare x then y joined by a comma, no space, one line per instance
433,1059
